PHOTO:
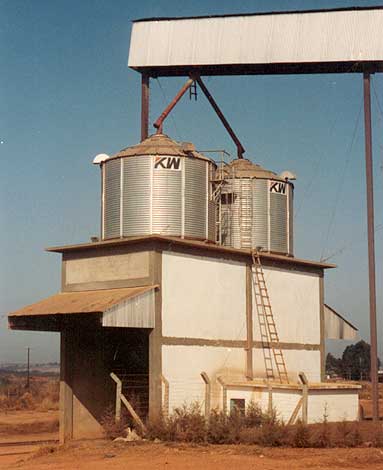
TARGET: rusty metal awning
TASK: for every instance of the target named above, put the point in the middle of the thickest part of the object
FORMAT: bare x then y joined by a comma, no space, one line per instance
49,314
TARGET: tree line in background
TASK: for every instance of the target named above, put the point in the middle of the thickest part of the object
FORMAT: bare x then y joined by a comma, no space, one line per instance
354,363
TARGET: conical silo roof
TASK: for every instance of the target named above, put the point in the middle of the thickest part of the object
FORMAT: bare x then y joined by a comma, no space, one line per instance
161,144
244,168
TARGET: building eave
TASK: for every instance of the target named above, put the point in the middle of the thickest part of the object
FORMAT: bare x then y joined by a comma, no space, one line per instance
167,243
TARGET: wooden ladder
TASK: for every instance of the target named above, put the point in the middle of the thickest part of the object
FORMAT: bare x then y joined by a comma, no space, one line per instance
268,329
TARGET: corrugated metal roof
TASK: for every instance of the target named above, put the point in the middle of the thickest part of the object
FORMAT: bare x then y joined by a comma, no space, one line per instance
244,168
259,13
327,37
337,327
96,301
161,144
173,241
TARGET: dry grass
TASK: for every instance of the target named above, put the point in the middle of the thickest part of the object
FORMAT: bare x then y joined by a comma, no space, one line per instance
42,394
188,424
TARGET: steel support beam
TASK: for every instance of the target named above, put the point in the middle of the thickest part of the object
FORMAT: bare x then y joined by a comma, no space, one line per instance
240,148
144,106
160,121
371,245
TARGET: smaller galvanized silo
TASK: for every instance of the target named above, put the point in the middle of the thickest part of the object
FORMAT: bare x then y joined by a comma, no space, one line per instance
158,187
255,207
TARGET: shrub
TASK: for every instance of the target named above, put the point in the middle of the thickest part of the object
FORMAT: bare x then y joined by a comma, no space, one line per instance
301,436
323,436
272,434
377,432
218,428
158,428
342,432
354,437
186,424
113,429
254,416
189,423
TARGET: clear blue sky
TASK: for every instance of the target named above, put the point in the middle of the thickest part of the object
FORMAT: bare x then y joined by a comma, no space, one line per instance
66,94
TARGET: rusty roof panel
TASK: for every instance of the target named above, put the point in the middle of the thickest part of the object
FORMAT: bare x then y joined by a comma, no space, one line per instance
96,301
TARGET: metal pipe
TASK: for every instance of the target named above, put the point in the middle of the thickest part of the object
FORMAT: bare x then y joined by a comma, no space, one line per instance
144,106
159,123
240,148
371,246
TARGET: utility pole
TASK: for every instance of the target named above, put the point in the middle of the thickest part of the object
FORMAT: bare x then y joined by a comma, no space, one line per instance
371,245
28,353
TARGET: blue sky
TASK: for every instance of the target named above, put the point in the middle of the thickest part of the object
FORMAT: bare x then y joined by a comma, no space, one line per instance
67,95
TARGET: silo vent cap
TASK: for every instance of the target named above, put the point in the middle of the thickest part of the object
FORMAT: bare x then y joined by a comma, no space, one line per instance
100,158
288,176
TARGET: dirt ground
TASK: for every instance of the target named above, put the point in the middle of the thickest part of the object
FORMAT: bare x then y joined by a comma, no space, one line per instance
23,432
100,455
23,417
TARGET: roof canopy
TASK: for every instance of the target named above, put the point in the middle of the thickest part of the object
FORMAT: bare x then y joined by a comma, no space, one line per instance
339,40
113,305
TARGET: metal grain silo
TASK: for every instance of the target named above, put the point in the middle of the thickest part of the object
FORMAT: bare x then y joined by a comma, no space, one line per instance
255,207
158,187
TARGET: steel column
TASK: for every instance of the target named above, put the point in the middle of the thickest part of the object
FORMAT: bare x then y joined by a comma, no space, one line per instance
144,106
371,245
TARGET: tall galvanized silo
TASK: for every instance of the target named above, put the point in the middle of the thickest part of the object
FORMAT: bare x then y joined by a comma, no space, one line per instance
158,187
255,207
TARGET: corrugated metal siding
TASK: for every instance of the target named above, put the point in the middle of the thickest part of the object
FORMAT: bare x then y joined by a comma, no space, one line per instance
167,201
253,212
212,220
336,328
278,223
260,211
136,197
235,222
283,38
245,212
291,220
195,198
112,199
153,198
132,313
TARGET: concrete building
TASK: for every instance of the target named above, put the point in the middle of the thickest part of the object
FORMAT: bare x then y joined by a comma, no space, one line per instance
175,304
170,310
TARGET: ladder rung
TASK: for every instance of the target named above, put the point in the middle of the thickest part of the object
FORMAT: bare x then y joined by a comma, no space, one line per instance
268,329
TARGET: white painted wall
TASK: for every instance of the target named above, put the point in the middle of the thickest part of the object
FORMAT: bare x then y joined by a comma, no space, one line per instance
203,297
294,298
338,404
296,361
182,366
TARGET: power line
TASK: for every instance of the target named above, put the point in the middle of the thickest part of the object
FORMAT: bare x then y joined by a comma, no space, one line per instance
378,105
166,101
306,191
340,186
347,246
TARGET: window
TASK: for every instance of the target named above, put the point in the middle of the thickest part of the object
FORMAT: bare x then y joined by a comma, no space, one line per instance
237,405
